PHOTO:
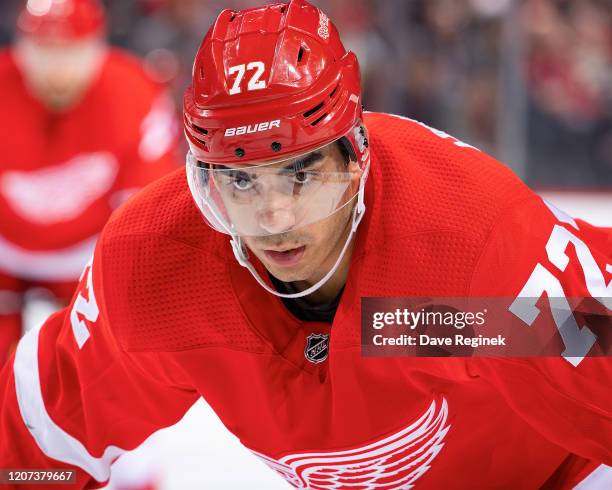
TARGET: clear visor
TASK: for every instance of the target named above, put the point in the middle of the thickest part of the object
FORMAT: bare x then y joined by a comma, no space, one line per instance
271,198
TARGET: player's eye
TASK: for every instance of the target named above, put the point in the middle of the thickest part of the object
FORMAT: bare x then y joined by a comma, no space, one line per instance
241,181
303,177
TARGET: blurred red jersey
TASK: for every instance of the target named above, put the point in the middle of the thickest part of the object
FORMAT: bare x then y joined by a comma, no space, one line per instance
164,315
62,174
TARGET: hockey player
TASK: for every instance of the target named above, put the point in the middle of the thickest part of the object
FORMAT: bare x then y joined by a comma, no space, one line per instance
313,205
82,129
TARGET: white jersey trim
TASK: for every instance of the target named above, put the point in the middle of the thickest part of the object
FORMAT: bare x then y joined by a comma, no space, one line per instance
52,440
58,265
599,479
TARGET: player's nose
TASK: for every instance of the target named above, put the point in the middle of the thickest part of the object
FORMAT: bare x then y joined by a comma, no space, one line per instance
276,214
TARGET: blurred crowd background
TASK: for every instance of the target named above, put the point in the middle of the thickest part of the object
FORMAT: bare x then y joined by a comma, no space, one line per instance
529,81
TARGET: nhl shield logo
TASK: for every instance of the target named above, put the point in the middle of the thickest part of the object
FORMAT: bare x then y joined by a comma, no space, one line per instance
317,347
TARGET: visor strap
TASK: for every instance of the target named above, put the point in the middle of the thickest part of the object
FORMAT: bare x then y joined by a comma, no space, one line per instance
242,256
360,208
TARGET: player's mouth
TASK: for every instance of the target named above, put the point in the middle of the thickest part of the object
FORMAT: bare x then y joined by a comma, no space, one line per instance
285,258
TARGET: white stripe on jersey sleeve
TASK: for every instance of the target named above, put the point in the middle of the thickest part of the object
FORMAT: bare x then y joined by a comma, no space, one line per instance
56,265
53,441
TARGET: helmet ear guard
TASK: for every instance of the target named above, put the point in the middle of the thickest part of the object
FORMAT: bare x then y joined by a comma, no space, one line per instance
358,143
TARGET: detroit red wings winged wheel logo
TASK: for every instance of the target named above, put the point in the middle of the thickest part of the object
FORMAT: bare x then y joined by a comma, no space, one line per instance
392,463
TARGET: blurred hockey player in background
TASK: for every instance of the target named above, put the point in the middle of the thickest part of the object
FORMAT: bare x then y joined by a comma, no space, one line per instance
239,279
82,129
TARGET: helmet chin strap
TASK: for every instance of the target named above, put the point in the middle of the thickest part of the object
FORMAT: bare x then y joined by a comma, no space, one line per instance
242,256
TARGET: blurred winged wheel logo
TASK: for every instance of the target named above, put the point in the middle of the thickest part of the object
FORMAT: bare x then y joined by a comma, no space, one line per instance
392,463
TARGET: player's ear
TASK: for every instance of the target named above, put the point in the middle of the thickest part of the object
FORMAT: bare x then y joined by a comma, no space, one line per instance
346,151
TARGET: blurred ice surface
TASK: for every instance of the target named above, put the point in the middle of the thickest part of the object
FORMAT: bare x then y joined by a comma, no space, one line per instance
594,207
197,453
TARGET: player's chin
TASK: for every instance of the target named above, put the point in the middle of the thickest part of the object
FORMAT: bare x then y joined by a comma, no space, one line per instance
287,275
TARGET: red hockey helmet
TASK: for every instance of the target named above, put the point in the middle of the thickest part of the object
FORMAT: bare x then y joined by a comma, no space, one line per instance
62,19
269,83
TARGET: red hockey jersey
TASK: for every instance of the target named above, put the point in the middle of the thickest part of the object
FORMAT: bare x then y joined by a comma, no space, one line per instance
165,315
61,175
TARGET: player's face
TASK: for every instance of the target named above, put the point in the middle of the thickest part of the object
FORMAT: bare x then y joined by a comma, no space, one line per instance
306,253
59,72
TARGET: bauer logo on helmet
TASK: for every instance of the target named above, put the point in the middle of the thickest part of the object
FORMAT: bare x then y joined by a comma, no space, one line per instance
252,128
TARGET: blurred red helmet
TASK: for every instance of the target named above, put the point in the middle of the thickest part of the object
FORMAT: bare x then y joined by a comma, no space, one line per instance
62,19
269,83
